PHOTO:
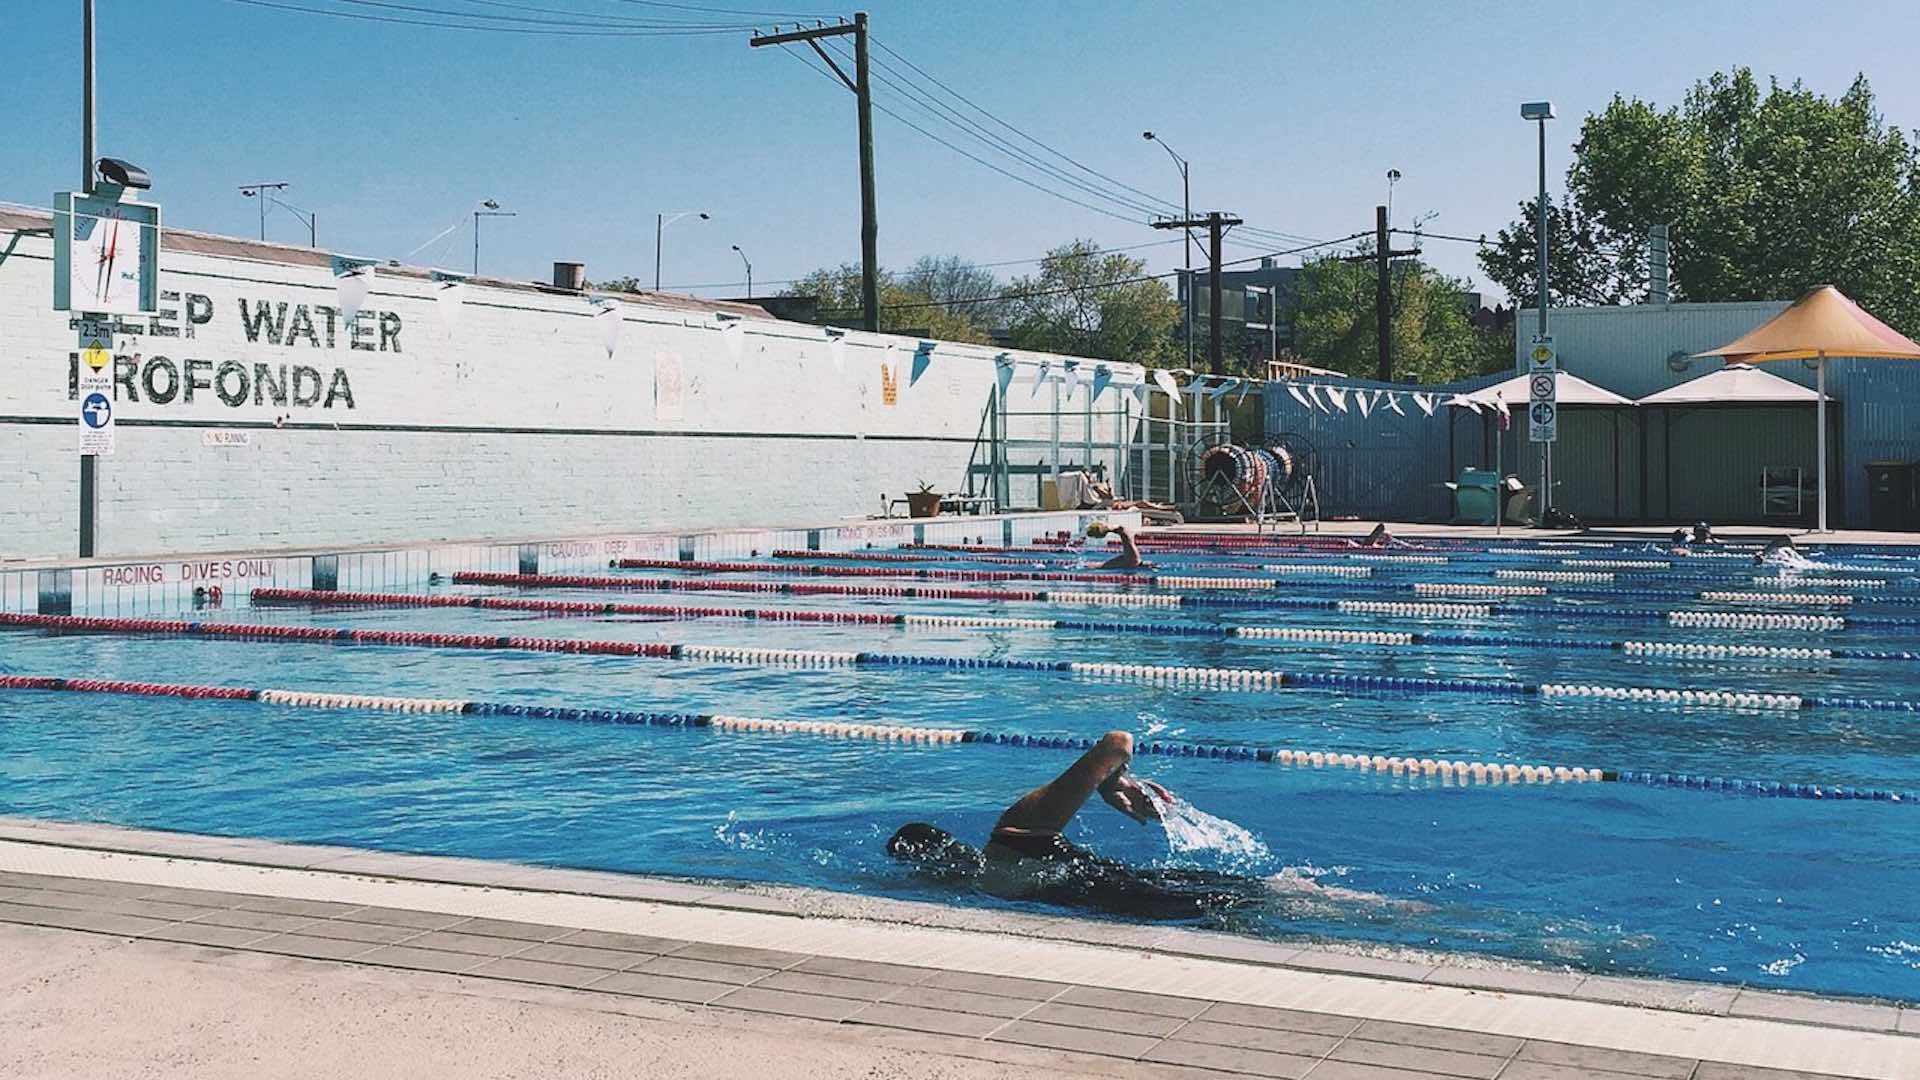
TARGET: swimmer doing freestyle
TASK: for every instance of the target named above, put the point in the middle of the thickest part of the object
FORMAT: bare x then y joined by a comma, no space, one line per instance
1129,557
1028,858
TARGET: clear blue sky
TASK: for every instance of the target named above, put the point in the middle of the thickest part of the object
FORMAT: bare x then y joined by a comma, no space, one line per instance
1290,112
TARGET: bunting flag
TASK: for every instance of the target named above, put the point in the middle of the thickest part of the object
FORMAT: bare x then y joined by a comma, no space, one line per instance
1142,391
1393,402
733,334
1003,372
1102,376
922,360
1040,377
1464,402
609,320
837,350
1313,398
1337,396
449,292
1221,389
351,279
1425,401
1365,403
1246,387
1298,396
1169,384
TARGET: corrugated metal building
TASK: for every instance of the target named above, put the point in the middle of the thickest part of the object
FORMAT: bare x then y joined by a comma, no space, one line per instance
1708,463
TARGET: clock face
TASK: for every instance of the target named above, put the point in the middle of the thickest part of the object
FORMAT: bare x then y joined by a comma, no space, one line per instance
113,248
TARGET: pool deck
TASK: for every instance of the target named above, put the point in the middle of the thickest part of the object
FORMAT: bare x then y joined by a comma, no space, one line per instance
163,953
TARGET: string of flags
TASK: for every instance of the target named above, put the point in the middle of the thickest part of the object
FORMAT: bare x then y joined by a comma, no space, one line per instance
1323,398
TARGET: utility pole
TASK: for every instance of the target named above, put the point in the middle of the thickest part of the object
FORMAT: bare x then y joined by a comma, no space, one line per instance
88,157
1216,224
1382,290
863,98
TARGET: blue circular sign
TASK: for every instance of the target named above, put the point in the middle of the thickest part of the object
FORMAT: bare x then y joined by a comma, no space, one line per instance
96,410
1542,413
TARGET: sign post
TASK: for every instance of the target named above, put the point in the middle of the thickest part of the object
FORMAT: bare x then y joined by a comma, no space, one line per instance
1543,410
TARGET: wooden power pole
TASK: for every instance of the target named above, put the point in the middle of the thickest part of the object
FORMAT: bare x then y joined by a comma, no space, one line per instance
1216,224
863,97
1383,289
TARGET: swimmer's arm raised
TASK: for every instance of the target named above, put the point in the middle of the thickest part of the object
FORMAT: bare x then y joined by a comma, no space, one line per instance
1049,807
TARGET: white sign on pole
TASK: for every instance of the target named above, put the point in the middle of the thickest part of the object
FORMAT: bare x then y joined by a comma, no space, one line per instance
1543,385
96,412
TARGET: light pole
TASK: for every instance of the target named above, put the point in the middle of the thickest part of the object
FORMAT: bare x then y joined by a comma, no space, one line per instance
744,259
1540,112
660,223
487,208
259,191
1393,177
1186,212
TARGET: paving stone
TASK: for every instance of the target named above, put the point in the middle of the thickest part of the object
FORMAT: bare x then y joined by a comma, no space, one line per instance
1435,1038
661,987
1353,1070
806,982
97,922
1811,1010
1281,1019
739,954
787,1003
997,985
507,928
940,1021
402,956
898,974
1344,964
1593,1057
1659,994
931,997
314,948
1709,1070
1129,1001
476,944
1556,983
264,921
1231,1059
372,933
704,970
1419,1058
1253,1038
419,920
1086,1016
1080,1040
155,909
604,959
193,933
637,943
532,971
1909,1020
214,898
285,905
86,886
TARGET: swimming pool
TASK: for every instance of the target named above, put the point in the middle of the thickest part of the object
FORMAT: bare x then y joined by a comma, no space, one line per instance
1672,872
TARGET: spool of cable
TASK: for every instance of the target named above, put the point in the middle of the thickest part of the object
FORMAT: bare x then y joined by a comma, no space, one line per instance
1284,470
1236,467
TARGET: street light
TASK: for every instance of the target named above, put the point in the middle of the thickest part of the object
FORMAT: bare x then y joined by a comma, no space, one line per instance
1393,177
260,191
744,259
487,208
660,223
1186,208
1540,112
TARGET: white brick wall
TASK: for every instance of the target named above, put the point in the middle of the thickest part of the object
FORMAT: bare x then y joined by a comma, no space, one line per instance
509,420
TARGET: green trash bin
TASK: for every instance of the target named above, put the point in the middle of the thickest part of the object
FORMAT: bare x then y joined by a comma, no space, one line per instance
1476,497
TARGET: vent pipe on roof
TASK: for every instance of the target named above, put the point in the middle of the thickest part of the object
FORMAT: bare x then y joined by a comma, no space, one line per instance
1658,291
570,275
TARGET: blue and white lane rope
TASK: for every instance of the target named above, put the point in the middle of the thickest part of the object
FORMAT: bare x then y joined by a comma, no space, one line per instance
1447,772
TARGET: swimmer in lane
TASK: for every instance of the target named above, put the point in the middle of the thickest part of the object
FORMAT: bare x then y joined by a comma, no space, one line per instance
1028,858
1129,557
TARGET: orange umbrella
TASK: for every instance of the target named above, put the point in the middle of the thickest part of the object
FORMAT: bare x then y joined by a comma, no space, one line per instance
1821,324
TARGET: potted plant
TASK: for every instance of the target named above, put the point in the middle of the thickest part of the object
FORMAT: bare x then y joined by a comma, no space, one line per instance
924,503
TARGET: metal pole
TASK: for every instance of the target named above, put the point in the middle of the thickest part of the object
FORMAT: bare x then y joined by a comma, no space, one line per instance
1546,449
476,243
87,159
659,226
1382,295
1186,211
1820,440
869,216
1216,362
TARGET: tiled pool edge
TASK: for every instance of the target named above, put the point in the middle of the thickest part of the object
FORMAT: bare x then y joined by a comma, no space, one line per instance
169,583
1473,973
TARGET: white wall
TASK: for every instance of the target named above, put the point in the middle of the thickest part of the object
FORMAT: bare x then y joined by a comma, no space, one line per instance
509,419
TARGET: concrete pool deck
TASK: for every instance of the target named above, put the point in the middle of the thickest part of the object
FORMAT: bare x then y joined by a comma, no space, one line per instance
135,951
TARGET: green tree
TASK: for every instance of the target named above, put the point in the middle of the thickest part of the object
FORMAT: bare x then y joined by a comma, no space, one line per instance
1087,302
1335,325
1766,194
906,307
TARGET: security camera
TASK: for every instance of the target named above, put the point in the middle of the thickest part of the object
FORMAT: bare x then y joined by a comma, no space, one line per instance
125,174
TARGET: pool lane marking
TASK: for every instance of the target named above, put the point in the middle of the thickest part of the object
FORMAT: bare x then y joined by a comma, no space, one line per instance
1303,634
1448,772
1184,675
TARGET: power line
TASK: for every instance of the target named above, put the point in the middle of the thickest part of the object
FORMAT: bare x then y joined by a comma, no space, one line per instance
971,265
606,30
620,20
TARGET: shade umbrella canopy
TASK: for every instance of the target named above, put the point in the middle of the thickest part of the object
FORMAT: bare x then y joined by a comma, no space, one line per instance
1568,390
1819,325
1735,384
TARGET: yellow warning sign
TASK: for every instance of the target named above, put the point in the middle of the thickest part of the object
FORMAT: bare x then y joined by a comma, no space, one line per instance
95,354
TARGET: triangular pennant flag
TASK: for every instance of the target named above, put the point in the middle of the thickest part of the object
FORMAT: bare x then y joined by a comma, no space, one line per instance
1040,377
733,334
1165,380
1143,390
449,292
351,279
922,359
1365,403
837,350
1102,376
1003,372
1393,402
1246,387
1425,401
1464,402
1220,390
1313,398
1298,396
1337,396
609,320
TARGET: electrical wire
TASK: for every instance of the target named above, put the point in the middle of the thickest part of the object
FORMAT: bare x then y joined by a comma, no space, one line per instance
606,30
1029,261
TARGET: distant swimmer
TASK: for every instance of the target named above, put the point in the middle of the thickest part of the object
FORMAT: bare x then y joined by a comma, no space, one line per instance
1028,858
1703,535
1129,557
1781,552
1378,538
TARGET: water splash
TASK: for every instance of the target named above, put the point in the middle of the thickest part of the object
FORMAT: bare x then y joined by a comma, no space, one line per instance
1191,829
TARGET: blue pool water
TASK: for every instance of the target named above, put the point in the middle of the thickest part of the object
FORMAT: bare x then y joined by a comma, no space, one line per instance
1797,893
